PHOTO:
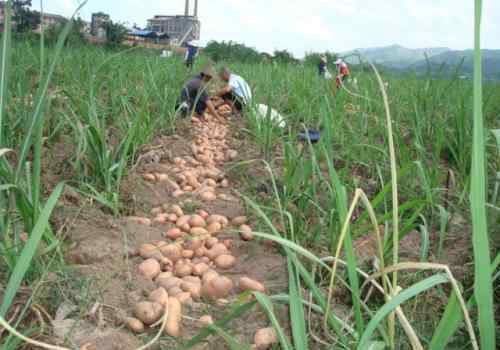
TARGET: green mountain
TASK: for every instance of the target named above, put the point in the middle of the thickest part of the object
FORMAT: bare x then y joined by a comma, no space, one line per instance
395,56
437,61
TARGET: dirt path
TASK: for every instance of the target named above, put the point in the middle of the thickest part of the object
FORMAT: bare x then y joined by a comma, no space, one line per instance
186,170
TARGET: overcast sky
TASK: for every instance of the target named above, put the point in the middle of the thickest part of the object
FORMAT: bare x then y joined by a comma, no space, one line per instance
315,25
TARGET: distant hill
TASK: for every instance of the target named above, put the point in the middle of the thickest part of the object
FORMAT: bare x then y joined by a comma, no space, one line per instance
439,60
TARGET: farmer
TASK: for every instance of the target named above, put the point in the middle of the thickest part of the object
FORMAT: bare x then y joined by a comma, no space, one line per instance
194,96
191,53
343,72
236,93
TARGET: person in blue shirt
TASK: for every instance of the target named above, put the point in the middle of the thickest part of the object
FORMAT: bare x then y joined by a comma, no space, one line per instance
191,53
322,68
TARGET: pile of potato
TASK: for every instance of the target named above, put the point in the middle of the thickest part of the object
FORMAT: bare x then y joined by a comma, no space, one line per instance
187,266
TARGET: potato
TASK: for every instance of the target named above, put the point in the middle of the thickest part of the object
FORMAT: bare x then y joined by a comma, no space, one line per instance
217,288
173,326
149,251
166,264
239,220
174,234
172,218
225,261
177,193
156,211
218,218
163,276
200,269
174,291
149,177
216,250
214,228
148,312
246,233
183,220
172,251
205,321
183,270
209,275
184,298
169,283
192,288
141,220
193,243
248,284
177,210
149,268
188,188
228,243
198,231
192,279
265,338
161,177
211,242
208,196
231,154
203,214
187,254
197,221
224,183
135,325
159,296
200,252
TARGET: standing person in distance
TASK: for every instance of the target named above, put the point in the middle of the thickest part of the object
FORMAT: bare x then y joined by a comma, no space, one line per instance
236,93
191,54
343,72
194,96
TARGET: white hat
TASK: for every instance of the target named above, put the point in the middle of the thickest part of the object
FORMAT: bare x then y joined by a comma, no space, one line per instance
339,61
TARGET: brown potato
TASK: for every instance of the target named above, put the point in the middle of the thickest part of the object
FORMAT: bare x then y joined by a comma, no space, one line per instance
149,177
238,221
217,288
135,325
187,254
177,193
198,231
172,251
225,261
197,221
183,220
169,283
159,296
174,291
148,312
192,279
205,321
218,249
177,210
214,228
192,288
200,269
200,252
184,298
149,251
149,268
174,234
208,196
183,270
193,243
173,326
248,284
265,338
211,242
156,211
246,233
209,275
203,214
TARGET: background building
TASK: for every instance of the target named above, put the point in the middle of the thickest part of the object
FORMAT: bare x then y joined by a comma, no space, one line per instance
50,20
98,25
177,27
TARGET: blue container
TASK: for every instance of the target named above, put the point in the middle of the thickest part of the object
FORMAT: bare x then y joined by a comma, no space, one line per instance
312,135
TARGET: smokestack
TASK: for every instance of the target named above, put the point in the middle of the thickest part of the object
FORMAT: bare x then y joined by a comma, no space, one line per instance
196,8
186,12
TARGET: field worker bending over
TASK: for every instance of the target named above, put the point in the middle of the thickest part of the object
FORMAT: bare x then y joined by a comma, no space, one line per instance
343,72
236,93
323,68
194,95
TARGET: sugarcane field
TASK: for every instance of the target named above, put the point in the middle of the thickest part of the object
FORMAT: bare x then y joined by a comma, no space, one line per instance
216,175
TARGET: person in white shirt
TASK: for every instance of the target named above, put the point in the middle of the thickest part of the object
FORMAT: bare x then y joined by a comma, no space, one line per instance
237,92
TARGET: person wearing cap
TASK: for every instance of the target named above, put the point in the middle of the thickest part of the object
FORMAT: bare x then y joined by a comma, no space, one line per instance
236,93
343,72
194,96
323,68
191,53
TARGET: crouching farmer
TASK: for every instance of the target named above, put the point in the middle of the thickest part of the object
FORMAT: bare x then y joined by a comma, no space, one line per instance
236,93
194,97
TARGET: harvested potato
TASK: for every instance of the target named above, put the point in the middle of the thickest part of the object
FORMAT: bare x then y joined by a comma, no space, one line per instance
205,321
184,298
148,312
198,231
208,196
135,325
159,296
246,233
228,243
200,252
225,261
149,251
172,251
149,268
192,288
174,234
192,279
183,270
217,218
169,282
166,264
209,275
193,243
163,276
248,284
197,221
218,249
149,177
238,221
177,193
217,288
183,220
177,210
174,291
214,228
156,211
200,269
173,326
265,338
187,254
211,242
203,214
